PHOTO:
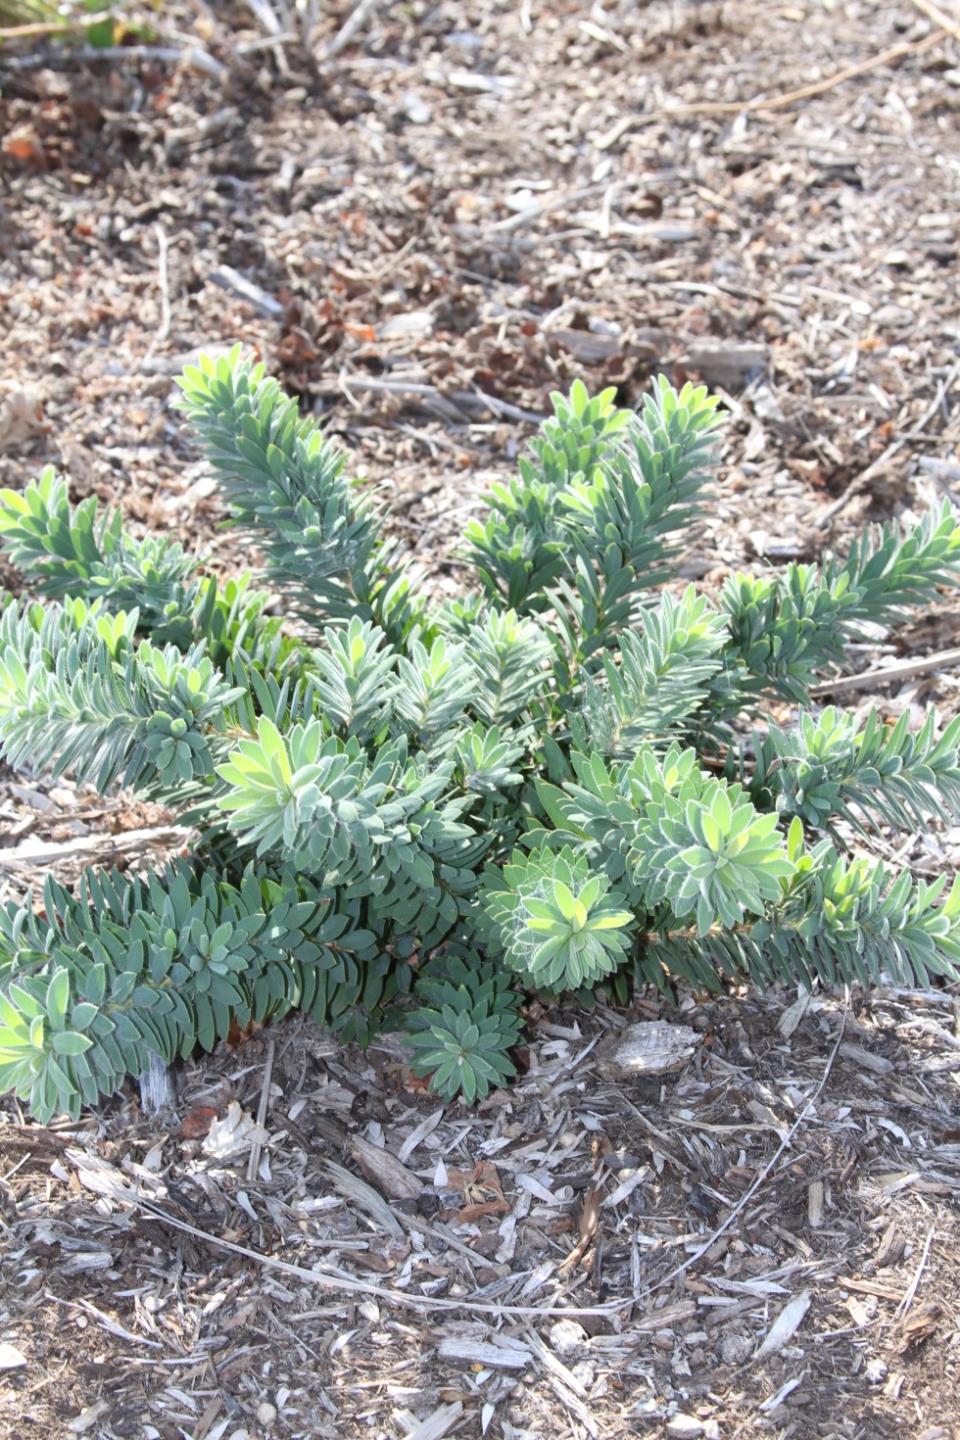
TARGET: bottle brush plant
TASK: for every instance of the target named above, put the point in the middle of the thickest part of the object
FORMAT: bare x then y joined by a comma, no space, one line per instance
411,813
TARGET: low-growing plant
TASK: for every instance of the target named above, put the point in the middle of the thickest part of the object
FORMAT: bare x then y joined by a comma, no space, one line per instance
412,813
96,23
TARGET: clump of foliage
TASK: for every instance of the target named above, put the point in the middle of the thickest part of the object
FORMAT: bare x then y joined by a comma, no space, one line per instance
41,20
26,12
411,813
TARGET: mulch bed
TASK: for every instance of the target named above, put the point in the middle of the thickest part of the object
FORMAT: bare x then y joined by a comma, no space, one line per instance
476,203
766,1243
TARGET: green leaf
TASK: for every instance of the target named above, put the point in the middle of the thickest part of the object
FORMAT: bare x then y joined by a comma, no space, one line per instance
58,998
66,1042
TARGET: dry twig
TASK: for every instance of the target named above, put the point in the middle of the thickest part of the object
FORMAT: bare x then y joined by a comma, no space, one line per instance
938,16
163,280
39,29
49,852
354,22
331,1278
902,670
767,1170
787,97
859,482
914,1285
191,57
256,1148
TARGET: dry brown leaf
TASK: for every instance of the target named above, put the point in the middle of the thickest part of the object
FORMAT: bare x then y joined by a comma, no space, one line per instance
24,145
21,417
239,1034
919,1326
589,1221
233,1134
196,1123
10,1357
481,1189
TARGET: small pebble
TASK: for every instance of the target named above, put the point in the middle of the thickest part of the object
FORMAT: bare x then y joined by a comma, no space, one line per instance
648,1409
566,1336
266,1413
416,109
875,1371
584,1372
734,1349
10,1357
684,1427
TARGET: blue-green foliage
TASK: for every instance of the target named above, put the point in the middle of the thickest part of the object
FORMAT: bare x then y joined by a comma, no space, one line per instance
657,680
128,967
555,920
79,693
831,767
78,552
466,1020
287,486
417,813
785,626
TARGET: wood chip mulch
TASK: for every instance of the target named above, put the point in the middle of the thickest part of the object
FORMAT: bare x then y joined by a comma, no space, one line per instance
766,1242
478,201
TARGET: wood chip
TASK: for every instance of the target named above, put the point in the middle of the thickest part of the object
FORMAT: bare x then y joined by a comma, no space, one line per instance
879,1064
262,301
651,1048
506,1356
785,1326
384,1170
815,1203
728,363
439,1424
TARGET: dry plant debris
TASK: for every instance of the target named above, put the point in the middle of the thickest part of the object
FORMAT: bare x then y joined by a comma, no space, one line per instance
331,1303
475,202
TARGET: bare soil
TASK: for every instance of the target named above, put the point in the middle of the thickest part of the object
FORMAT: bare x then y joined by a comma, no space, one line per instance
476,203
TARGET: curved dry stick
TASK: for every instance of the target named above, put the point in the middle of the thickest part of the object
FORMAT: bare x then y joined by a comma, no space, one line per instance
709,1243
804,92
938,16
820,87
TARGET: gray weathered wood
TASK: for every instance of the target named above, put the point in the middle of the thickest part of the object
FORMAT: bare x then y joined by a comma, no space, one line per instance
157,1089
651,1048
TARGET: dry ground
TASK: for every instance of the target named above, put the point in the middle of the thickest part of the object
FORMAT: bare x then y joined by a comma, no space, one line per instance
476,203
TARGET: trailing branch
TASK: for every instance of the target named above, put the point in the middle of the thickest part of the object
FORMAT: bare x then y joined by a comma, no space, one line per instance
77,694
827,769
69,552
592,505
130,968
837,924
785,627
658,680
286,484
